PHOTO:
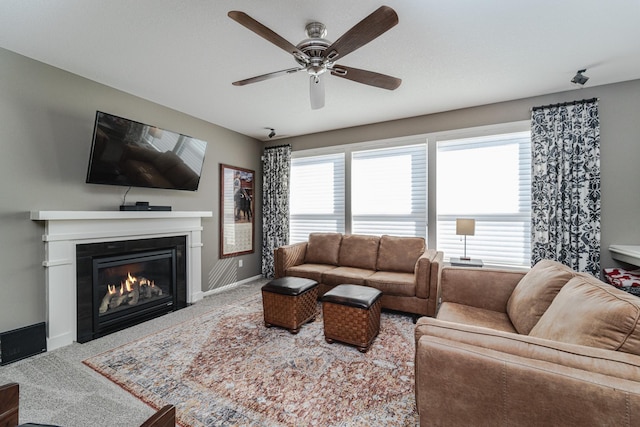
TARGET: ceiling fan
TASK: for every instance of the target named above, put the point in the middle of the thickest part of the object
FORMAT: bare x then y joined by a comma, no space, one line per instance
317,56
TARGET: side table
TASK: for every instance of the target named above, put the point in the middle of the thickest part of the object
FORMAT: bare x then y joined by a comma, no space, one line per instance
474,262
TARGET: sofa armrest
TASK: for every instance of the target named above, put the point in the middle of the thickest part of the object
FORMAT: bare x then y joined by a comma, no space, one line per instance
427,276
486,288
287,256
519,379
608,362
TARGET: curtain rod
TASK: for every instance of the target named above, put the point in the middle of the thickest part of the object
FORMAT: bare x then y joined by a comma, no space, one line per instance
564,104
277,146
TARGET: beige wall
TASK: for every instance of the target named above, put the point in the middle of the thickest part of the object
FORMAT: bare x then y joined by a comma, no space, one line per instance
46,126
46,122
619,109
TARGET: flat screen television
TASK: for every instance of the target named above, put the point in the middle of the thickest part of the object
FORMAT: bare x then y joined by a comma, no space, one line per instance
129,153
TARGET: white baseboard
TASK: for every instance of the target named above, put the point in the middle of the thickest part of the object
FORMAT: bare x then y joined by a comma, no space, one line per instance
231,285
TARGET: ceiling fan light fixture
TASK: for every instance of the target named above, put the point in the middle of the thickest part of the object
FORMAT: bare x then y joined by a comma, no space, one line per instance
316,91
579,78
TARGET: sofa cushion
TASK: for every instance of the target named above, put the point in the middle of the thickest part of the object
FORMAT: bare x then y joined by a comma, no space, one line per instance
589,312
309,271
393,283
359,251
323,248
399,253
346,276
534,293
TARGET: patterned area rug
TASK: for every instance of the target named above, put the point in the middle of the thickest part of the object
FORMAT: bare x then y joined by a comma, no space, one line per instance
227,369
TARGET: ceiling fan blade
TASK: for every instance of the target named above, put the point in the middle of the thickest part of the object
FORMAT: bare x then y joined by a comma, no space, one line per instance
316,91
266,33
266,76
366,77
380,21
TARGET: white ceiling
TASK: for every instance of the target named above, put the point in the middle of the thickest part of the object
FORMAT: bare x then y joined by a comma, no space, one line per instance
185,54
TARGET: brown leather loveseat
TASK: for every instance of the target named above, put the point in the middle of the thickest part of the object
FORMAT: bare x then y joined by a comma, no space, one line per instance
402,268
546,347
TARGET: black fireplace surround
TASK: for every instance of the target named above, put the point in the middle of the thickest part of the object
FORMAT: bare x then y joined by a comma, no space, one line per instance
124,283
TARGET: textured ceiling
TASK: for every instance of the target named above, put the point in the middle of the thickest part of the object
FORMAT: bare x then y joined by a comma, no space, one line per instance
449,54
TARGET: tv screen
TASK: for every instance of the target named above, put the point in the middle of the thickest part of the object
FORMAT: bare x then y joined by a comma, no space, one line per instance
128,153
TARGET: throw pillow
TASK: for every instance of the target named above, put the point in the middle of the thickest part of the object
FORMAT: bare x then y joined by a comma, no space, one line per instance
399,253
589,312
323,248
359,251
534,293
628,281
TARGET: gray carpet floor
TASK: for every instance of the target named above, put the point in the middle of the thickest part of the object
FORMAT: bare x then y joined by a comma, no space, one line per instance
57,388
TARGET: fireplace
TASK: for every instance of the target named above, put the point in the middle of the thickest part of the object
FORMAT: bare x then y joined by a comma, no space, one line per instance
121,284
65,231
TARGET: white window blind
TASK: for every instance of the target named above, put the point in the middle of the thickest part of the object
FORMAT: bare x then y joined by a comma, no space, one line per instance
317,196
389,191
488,179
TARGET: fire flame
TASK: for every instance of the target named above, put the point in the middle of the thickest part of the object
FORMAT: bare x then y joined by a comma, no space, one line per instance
131,290
147,282
127,285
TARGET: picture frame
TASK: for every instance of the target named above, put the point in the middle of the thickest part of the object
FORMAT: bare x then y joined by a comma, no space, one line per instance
236,211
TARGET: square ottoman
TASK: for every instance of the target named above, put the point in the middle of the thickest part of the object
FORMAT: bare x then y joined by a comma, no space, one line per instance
289,302
352,315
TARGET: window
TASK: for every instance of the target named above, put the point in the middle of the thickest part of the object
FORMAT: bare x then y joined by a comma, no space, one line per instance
382,187
389,191
488,179
317,196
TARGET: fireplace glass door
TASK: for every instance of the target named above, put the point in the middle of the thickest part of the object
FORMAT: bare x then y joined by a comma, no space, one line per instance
127,287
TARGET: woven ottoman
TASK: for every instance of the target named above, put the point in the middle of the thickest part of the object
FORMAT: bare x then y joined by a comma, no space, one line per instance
352,315
289,302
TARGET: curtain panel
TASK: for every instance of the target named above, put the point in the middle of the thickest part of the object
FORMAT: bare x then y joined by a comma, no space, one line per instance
276,167
565,187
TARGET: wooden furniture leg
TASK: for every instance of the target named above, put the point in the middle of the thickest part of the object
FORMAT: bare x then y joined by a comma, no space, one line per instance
9,401
165,417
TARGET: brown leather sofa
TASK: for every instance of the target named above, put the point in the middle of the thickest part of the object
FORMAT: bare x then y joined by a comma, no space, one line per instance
401,267
546,347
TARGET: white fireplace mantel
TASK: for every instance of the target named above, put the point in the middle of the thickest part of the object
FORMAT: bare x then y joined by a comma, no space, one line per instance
66,229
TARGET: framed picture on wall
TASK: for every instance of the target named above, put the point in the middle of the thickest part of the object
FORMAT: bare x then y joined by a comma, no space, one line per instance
236,211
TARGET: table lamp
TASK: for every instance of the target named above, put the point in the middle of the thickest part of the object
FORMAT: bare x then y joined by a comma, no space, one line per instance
465,227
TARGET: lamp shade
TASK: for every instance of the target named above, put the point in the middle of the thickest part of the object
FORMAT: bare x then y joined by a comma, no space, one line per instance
155,132
465,226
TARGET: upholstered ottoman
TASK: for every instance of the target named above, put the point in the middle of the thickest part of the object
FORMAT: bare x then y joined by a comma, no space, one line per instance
352,315
289,302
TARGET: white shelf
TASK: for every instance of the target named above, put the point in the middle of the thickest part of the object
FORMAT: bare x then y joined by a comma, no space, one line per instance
80,215
626,253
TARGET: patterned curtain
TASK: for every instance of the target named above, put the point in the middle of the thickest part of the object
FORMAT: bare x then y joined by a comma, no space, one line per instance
276,167
565,185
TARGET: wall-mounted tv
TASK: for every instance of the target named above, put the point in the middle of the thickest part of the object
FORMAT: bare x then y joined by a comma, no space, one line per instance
128,153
